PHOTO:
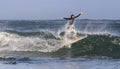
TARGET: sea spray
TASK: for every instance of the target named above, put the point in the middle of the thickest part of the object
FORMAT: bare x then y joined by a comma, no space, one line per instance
92,28
13,42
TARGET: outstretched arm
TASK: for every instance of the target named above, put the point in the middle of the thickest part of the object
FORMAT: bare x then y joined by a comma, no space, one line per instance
79,14
67,18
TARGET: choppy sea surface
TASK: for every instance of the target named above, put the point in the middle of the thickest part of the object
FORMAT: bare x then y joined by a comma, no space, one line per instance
37,44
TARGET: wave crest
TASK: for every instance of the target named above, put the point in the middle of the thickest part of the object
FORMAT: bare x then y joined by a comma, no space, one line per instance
14,42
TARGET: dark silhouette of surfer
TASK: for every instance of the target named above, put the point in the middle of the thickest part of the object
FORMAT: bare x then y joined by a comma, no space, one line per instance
72,18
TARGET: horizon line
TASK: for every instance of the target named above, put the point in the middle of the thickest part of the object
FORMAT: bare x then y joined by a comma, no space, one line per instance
53,19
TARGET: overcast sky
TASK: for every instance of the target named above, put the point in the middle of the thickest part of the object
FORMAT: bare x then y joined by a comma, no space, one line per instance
57,9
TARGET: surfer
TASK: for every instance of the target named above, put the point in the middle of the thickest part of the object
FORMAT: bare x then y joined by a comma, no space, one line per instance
72,18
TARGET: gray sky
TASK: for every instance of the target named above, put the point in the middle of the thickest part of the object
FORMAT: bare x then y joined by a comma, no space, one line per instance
57,9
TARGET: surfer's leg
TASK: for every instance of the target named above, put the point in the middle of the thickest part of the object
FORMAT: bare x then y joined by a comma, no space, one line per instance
70,23
68,27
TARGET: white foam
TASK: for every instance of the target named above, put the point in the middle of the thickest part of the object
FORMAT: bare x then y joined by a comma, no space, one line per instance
13,42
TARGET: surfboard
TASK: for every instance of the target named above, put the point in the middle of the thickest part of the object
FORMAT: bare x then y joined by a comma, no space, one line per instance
68,42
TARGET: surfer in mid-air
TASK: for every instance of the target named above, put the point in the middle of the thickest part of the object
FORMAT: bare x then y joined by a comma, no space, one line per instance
72,18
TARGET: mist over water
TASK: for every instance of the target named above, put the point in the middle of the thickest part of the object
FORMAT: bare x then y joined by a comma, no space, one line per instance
98,27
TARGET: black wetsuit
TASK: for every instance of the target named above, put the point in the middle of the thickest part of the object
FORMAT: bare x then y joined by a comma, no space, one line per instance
72,19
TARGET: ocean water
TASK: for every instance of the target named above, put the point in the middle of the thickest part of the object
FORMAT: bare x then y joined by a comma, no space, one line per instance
40,42
62,63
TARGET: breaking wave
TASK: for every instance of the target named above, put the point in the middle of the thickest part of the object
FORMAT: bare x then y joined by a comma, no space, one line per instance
94,40
34,41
